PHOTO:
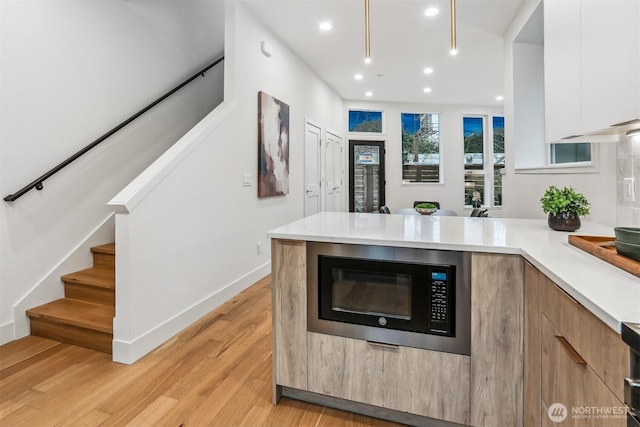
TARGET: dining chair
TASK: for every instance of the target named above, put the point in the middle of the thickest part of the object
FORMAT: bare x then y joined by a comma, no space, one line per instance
384,209
479,212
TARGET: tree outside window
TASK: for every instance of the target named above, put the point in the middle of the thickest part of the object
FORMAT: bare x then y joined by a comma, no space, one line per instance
420,147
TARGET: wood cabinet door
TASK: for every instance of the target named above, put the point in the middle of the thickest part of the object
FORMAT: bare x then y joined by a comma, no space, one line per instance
496,340
534,283
429,383
289,300
568,380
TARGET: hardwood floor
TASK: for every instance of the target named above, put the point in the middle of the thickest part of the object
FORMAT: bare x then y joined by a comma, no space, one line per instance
215,373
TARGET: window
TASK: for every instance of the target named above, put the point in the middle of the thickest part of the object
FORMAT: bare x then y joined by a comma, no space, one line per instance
483,180
365,121
498,159
569,153
420,147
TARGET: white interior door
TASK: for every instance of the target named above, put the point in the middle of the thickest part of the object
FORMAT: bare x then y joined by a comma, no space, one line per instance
334,171
312,141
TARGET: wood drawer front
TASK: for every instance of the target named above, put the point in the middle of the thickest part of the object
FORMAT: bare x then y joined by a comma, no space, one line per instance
289,300
422,382
601,347
574,385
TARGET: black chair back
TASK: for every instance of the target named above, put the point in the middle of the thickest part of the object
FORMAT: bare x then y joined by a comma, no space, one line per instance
479,212
384,210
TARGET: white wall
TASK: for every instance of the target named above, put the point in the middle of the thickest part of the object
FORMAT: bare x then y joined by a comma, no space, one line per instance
190,244
528,114
522,190
72,70
450,194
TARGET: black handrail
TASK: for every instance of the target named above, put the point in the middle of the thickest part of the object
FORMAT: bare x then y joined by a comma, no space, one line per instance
37,183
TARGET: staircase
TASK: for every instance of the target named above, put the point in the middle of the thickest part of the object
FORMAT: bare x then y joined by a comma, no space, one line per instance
84,317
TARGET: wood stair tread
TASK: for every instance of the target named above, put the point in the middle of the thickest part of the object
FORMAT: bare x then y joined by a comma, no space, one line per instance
109,248
96,277
97,317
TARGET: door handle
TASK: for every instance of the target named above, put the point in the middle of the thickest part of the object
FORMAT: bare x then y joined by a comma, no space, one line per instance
572,351
384,345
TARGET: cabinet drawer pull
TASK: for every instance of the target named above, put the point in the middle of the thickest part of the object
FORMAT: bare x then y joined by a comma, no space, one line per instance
572,351
384,344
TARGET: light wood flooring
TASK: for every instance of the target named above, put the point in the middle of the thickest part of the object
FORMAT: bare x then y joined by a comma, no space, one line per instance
215,373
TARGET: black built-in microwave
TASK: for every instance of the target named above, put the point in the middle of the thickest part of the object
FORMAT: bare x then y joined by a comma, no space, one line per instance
400,296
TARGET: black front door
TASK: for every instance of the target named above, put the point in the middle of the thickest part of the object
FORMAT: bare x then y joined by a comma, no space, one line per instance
366,176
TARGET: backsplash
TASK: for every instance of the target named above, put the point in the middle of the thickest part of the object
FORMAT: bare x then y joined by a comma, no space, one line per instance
628,165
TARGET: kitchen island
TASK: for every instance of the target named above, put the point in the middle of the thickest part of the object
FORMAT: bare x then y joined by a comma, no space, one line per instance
517,265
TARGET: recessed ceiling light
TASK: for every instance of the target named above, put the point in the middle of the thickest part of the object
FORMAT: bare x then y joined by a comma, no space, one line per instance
428,70
326,26
432,11
369,93
427,90
499,98
358,76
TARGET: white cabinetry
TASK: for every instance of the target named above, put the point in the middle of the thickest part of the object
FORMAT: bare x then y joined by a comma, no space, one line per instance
561,69
592,66
610,51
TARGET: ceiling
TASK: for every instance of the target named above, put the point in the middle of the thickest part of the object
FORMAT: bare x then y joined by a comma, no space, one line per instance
403,43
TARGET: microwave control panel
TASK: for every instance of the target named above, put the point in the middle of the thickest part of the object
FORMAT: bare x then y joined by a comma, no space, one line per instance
441,300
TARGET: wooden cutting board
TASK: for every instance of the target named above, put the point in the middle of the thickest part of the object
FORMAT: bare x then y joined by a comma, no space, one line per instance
605,249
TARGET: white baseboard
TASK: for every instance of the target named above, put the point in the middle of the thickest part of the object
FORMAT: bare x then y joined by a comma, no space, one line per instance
7,332
129,352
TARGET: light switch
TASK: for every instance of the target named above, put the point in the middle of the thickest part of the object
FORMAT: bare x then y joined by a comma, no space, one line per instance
628,189
246,180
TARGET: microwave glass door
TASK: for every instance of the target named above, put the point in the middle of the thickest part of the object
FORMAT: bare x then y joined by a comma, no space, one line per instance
371,293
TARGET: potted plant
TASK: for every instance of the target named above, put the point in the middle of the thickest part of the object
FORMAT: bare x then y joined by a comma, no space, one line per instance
564,206
476,199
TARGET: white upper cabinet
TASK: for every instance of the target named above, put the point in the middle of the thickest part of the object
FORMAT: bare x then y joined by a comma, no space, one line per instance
561,69
610,51
592,66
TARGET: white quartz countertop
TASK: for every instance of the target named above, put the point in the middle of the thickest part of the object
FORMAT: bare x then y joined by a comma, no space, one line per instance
609,292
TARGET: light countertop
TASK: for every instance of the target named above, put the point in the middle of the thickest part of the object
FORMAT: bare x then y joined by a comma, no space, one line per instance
610,293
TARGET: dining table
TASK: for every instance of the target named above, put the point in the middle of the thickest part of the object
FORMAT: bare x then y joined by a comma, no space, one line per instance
439,212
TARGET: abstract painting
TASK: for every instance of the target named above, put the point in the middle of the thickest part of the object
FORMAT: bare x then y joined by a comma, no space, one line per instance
273,140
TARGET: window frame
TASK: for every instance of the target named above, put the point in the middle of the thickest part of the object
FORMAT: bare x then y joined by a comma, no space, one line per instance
404,182
367,110
488,169
551,155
